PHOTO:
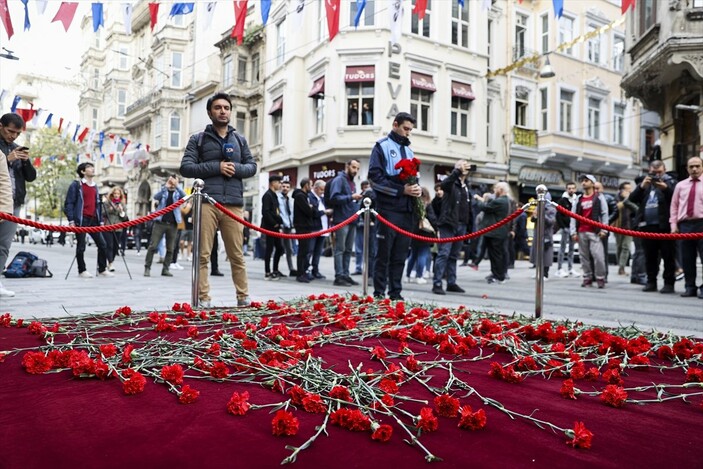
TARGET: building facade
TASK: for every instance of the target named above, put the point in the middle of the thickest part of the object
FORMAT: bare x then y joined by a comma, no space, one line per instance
665,72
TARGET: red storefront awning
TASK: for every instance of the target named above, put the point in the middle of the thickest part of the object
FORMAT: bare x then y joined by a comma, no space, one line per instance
422,82
277,106
317,88
356,74
462,90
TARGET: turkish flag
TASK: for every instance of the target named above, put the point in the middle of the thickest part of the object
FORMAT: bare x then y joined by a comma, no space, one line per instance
420,8
6,20
626,4
27,114
240,15
83,134
66,12
153,13
332,8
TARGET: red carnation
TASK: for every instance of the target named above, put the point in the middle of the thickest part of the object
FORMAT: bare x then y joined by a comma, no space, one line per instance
567,389
614,396
383,433
612,376
694,375
127,354
238,404
313,403
192,332
135,382
341,393
580,436
412,363
173,374
446,405
108,350
219,370
101,369
388,385
297,394
123,311
36,328
378,353
428,422
284,423
469,420
36,363
188,395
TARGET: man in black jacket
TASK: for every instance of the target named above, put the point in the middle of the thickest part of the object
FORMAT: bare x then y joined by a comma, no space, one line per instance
653,196
221,157
271,220
304,215
453,219
18,164
495,210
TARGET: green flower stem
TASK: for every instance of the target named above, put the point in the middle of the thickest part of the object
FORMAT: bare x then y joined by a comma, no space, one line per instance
320,429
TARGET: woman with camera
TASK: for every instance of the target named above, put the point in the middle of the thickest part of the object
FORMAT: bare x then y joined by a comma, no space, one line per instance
114,213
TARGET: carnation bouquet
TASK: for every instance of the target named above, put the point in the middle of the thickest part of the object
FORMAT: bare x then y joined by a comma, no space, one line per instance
409,169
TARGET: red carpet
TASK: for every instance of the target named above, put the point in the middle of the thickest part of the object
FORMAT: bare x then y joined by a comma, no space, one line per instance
57,420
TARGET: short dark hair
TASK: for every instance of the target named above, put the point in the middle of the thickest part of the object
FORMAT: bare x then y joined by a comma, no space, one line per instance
623,184
81,168
216,96
570,183
404,116
12,118
304,182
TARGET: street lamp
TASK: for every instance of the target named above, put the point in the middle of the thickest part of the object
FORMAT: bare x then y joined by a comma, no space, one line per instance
547,70
690,107
8,54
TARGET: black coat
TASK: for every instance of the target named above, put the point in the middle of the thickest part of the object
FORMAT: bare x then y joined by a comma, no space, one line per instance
303,212
454,190
270,211
639,196
494,211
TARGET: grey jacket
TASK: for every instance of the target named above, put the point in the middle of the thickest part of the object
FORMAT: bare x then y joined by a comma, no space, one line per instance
202,158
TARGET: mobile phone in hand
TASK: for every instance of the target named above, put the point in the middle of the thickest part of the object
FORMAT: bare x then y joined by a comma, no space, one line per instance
23,148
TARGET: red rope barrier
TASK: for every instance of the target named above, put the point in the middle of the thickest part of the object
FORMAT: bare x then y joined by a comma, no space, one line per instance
277,234
93,229
475,234
637,234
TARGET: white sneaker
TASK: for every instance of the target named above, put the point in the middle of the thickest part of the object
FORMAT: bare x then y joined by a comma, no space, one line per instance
5,292
110,267
85,274
562,274
421,281
409,280
105,273
204,304
176,266
533,275
575,273
427,275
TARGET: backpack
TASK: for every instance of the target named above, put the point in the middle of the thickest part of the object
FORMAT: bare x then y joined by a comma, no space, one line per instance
40,268
21,265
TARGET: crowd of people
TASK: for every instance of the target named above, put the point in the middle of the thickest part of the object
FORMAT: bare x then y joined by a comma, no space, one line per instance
220,156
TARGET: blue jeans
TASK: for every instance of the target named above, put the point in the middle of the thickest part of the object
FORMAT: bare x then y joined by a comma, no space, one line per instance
315,251
419,260
566,240
343,249
447,254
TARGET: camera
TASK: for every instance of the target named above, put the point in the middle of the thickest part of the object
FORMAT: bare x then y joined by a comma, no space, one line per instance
655,177
472,168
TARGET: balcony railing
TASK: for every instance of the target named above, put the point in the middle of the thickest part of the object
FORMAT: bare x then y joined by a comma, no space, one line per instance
525,137
520,52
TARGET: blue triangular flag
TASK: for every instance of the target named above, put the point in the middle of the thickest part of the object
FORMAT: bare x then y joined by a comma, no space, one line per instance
75,134
27,24
558,7
461,3
360,5
101,139
181,9
265,8
48,119
97,16
15,102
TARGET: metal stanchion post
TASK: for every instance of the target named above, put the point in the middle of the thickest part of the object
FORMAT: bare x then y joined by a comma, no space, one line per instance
198,185
538,247
365,254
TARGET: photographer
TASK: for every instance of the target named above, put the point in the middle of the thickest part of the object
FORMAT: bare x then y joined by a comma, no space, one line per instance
166,224
114,213
653,198
20,167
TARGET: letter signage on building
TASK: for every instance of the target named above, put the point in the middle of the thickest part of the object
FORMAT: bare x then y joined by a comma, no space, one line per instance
325,171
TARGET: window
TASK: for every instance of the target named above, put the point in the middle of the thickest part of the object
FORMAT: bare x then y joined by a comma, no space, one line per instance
566,105
121,102
321,20
489,132
544,109
566,32
178,20
618,53
176,69
96,79
520,35
647,14
254,127
522,97
318,105
489,41
360,103
545,34
280,43
158,130
697,4
94,120
619,124
367,16
174,131
255,66
594,45
459,125
124,59
242,70
241,122
420,102
227,78
421,27
277,128
594,118
460,24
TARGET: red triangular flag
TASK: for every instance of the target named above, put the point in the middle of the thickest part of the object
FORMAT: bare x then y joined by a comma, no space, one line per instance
60,124
112,157
37,162
627,4
66,12
126,145
240,15
83,134
332,8
6,20
420,8
27,114
153,13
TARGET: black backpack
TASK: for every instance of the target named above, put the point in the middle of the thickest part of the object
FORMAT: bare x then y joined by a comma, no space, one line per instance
21,265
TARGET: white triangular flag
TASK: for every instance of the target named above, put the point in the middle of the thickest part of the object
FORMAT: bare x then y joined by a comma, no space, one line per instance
209,14
41,6
127,9
396,17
